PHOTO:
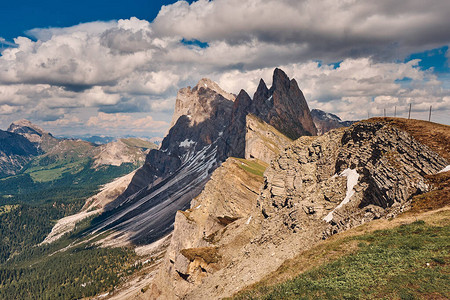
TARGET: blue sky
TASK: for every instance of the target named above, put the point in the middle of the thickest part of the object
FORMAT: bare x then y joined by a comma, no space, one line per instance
114,67
16,17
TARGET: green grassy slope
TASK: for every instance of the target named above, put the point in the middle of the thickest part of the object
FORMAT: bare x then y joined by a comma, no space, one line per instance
410,261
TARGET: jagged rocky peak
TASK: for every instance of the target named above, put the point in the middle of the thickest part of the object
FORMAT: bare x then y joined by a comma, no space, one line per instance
30,131
196,102
284,106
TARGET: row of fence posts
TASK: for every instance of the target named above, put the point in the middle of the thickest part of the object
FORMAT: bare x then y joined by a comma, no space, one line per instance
409,112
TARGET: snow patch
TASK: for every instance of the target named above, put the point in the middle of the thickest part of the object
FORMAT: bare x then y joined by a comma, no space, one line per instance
198,206
248,221
187,143
270,98
446,169
352,180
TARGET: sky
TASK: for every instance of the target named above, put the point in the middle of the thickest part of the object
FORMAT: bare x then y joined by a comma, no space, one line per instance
114,67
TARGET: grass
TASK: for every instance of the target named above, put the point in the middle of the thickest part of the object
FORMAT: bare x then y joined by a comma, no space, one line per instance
407,262
55,171
139,143
255,167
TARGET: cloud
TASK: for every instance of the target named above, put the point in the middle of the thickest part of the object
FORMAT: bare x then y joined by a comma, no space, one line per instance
326,29
126,122
67,120
356,87
131,66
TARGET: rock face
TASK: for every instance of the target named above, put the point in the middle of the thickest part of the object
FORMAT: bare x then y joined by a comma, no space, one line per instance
209,126
326,121
201,230
317,187
120,152
15,152
263,141
188,103
283,106
173,175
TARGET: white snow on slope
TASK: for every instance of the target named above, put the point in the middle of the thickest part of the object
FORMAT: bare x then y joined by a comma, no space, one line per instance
186,143
352,180
446,169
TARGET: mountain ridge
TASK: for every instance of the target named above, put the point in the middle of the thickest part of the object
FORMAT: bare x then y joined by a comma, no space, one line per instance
209,125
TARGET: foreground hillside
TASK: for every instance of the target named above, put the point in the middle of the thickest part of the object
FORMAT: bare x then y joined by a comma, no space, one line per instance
404,258
315,188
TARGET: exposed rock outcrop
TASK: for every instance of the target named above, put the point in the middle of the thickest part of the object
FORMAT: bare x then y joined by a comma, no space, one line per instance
208,128
263,141
326,121
315,188
226,204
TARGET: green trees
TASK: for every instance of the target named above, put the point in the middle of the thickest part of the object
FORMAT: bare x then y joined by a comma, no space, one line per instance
73,274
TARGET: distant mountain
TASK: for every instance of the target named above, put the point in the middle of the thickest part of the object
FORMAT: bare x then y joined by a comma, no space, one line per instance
327,121
209,125
26,148
99,140
15,152
44,140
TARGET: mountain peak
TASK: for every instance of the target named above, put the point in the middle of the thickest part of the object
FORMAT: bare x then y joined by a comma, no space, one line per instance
279,78
197,103
24,123
33,133
209,84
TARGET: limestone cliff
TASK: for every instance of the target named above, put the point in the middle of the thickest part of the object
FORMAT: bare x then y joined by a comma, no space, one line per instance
263,141
209,125
201,244
316,187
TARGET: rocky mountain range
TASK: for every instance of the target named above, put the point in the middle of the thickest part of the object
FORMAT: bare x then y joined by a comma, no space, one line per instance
25,142
242,184
209,125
